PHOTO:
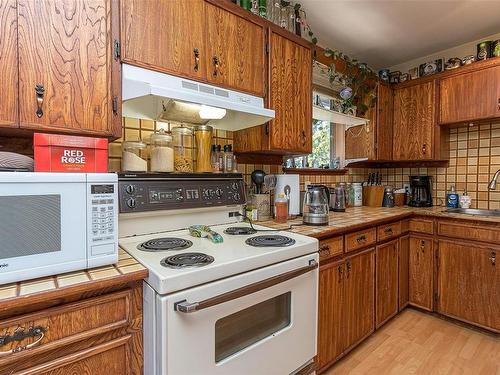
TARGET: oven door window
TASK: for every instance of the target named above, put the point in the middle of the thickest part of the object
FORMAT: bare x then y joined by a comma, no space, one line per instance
238,331
30,225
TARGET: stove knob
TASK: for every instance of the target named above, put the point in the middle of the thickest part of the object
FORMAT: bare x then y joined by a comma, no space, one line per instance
218,192
130,189
206,193
236,196
131,202
234,185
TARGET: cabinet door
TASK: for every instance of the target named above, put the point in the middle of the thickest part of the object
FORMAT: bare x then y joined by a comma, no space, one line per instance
330,306
470,96
8,63
414,122
165,35
290,96
235,56
386,282
65,59
421,272
385,112
469,283
404,253
359,321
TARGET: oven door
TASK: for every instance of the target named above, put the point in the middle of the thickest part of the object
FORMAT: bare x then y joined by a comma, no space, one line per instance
259,322
42,225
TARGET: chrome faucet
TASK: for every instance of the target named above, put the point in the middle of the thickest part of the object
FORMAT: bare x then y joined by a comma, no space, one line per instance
493,182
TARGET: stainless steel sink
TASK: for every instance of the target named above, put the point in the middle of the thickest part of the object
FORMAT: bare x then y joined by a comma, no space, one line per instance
471,211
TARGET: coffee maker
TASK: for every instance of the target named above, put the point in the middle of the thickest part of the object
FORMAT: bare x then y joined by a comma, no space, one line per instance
420,191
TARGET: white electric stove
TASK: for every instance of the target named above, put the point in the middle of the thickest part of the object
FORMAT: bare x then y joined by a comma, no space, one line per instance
247,305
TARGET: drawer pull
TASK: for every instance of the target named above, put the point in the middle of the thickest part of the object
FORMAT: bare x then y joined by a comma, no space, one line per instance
388,230
40,92
21,334
361,238
215,61
493,258
196,53
324,249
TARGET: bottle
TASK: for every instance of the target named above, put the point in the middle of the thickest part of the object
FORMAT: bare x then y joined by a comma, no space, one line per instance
465,200
220,158
214,159
281,209
358,194
203,141
452,198
228,159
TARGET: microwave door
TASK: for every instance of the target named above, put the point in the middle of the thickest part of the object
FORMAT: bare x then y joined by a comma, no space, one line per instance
233,326
42,228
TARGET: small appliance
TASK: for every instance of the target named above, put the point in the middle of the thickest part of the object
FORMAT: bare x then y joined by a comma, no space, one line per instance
316,205
420,191
388,200
340,197
288,184
52,223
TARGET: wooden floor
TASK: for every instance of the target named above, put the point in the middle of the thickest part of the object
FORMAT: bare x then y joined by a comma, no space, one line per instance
418,343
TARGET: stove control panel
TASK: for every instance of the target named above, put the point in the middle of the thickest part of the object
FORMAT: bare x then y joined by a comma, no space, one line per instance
151,192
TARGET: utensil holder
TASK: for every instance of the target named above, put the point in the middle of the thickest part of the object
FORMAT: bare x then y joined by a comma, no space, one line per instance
373,196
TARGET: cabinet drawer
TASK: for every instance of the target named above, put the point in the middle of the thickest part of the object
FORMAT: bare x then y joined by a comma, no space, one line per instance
62,325
358,240
387,231
422,226
331,247
469,232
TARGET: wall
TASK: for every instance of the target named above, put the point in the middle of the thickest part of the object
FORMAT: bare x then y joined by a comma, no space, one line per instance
458,51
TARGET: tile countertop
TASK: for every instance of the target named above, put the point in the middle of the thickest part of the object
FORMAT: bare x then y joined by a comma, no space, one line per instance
361,217
127,269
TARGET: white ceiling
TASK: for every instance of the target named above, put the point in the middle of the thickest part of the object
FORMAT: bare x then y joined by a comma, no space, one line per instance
384,33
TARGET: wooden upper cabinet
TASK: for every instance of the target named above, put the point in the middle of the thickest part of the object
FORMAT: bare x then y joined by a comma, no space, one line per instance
414,122
421,272
290,95
165,35
470,96
469,283
65,62
235,51
386,282
8,63
384,122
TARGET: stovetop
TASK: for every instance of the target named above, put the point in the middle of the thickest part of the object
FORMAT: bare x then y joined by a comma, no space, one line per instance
231,257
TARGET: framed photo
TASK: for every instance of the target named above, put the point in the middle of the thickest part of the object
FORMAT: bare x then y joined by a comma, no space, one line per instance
431,67
404,77
413,72
394,77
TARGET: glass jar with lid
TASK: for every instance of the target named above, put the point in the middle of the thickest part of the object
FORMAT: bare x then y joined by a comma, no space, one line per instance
203,140
183,149
161,152
132,161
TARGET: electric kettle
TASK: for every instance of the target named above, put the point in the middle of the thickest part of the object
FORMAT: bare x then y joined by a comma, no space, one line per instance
316,205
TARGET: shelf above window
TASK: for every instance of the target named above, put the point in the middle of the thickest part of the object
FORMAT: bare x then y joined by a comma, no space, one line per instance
315,171
323,114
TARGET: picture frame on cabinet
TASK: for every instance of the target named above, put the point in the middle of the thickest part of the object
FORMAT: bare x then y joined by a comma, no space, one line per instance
413,72
394,76
430,68
404,77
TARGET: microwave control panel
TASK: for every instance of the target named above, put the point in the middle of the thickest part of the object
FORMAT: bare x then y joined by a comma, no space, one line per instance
175,191
103,213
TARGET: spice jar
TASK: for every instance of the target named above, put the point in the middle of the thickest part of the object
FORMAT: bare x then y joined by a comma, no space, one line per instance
183,149
203,141
131,157
161,152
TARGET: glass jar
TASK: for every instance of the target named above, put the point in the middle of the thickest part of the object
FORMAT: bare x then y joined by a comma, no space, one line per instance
203,141
132,161
161,152
183,149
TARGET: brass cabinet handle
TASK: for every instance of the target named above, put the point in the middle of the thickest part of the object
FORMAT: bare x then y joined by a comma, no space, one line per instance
196,53
499,104
19,335
424,148
422,246
325,249
493,258
341,272
304,138
348,266
216,66
388,230
361,238
40,92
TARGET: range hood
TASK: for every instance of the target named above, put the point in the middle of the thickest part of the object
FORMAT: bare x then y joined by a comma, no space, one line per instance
151,95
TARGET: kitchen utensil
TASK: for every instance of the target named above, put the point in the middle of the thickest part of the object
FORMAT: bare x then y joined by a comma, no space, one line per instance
339,205
287,190
269,182
388,200
316,205
10,161
292,180
257,177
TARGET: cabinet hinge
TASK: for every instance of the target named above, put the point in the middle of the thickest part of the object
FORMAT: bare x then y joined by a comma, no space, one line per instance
115,105
267,129
267,48
117,49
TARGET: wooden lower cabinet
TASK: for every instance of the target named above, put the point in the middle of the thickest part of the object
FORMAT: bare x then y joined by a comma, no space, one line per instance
346,306
386,282
469,283
421,271
403,265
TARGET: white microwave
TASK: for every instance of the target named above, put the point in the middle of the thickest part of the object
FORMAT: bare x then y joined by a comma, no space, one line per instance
51,223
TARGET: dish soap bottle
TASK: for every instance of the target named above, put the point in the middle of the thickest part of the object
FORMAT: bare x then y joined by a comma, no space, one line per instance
452,198
281,209
465,200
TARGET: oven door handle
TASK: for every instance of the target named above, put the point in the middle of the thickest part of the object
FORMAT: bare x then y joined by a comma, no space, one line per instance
189,307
